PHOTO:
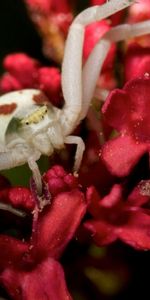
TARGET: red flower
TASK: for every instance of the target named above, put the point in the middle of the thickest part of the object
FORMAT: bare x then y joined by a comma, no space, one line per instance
29,270
46,281
127,111
26,72
114,218
137,61
22,67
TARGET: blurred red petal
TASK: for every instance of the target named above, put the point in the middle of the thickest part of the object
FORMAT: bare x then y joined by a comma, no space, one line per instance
9,83
139,11
12,251
137,197
102,232
62,6
40,5
113,198
93,201
137,61
48,6
49,81
136,232
45,282
22,67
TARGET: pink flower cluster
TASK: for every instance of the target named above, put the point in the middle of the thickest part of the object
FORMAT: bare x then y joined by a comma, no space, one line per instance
112,191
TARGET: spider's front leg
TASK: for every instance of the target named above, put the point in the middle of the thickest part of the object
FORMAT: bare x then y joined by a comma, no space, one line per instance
75,107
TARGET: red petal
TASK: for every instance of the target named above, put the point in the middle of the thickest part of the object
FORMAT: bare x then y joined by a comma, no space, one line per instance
139,125
137,61
113,198
136,232
102,232
137,197
9,83
12,251
121,154
57,225
116,109
45,282
127,110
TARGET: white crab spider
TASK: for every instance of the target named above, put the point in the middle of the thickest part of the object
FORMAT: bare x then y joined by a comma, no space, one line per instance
30,126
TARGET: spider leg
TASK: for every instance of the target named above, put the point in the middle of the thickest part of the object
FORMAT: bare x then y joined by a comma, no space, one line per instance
94,63
72,62
91,71
15,211
36,172
71,139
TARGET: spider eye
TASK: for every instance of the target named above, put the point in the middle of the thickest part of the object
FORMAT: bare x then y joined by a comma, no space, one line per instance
27,123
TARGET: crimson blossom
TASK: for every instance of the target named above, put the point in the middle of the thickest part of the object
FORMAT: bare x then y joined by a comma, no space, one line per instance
137,61
22,71
127,111
117,217
29,269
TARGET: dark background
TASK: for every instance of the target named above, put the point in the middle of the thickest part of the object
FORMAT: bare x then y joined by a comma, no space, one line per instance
17,33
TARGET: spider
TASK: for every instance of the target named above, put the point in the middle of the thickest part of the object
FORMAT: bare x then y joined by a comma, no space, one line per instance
31,126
